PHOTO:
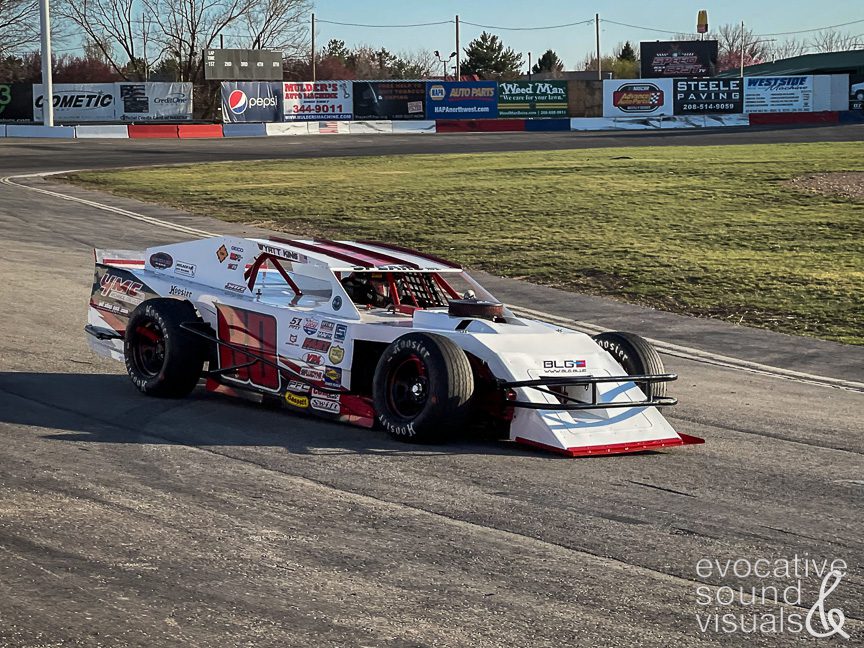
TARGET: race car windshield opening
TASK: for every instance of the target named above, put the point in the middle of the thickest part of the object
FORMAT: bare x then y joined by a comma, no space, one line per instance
384,289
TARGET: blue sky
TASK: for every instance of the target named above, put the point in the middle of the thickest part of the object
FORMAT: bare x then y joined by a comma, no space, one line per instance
571,43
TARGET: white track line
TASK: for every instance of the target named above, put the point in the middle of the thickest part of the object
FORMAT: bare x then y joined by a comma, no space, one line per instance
678,351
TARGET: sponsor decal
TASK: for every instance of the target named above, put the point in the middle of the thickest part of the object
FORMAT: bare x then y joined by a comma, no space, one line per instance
297,400
564,366
327,325
340,332
222,253
234,248
124,290
316,345
161,260
180,292
73,99
295,322
323,405
238,288
293,339
333,376
313,358
638,98
325,335
312,374
337,303
185,269
234,256
310,326
232,266
437,92
336,355
297,386
283,254
317,393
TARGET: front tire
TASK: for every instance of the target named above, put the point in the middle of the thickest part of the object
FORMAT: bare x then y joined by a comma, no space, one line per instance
421,388
161,358
635,354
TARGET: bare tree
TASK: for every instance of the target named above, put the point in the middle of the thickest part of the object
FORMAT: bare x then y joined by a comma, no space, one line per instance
831,40
19,25
278,24
788,48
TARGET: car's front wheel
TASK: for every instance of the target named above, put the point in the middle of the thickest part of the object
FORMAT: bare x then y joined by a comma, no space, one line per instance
161,358
422,387
636,355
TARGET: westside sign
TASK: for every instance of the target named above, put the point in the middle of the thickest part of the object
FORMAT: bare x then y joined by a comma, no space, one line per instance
320,100
532,99
778,94
702,96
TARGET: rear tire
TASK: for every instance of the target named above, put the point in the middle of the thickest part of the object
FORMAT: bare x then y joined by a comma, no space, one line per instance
635,354
161,358
421,388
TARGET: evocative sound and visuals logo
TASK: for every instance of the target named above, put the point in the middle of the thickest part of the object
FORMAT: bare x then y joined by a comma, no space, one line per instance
640,98
769,596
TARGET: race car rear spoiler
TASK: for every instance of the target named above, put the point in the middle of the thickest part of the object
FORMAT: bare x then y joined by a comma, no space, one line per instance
571,403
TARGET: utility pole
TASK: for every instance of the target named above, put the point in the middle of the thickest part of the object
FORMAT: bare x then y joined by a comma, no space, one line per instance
597,30
742,48
529,66
458,54
47,81
313,47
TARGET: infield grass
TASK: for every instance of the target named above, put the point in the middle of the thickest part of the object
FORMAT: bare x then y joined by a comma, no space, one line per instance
708,231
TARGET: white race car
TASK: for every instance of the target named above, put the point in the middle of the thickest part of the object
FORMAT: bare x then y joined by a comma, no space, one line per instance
366,332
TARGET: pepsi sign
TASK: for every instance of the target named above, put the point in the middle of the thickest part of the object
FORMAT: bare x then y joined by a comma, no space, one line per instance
251,101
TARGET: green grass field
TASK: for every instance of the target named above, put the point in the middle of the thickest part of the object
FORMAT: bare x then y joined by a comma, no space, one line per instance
709,231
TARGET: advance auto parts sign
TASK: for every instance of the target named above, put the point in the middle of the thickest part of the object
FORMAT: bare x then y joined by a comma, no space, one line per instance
637,98
16,101
532,99
321,100
778,94
78,102
706,96
462,100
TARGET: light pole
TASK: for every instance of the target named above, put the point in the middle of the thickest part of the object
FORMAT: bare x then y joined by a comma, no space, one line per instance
444,62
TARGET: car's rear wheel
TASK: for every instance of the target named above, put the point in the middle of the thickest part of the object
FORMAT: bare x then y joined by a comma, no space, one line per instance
636,355
161,358
421,388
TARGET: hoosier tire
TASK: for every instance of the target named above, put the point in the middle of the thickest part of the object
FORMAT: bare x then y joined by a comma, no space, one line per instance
161,358
421,388
635,354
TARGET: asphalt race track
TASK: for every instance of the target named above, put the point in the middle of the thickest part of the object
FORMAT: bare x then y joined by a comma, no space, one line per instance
127,521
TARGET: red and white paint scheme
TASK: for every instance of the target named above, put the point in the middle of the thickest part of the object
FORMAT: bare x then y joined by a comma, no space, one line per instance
346,330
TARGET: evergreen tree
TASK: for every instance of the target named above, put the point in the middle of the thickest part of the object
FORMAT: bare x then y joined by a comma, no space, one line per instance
549,63
487,57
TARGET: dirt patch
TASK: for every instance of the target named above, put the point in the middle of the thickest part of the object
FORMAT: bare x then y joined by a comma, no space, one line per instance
846,185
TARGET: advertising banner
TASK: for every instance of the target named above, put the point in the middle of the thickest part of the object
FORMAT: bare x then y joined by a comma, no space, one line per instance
662,59
637,98
16,102
153,101
78,102
778,94
532,99
319,100
389,100
856,92
242,65
251,101
706,96
462,100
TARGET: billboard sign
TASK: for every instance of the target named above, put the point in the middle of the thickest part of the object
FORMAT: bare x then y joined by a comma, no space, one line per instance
78,102
637,98
16,102
462,100
532,99
778,94
662,59
394,100
242,65
251,101
153,101
317,101
708,96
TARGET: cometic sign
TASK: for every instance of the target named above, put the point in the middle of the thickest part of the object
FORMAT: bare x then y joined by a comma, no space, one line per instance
661,59
78,102
706,96
319,100
389,100
637,98
16,101
532,99
462,100
778,94
251,101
